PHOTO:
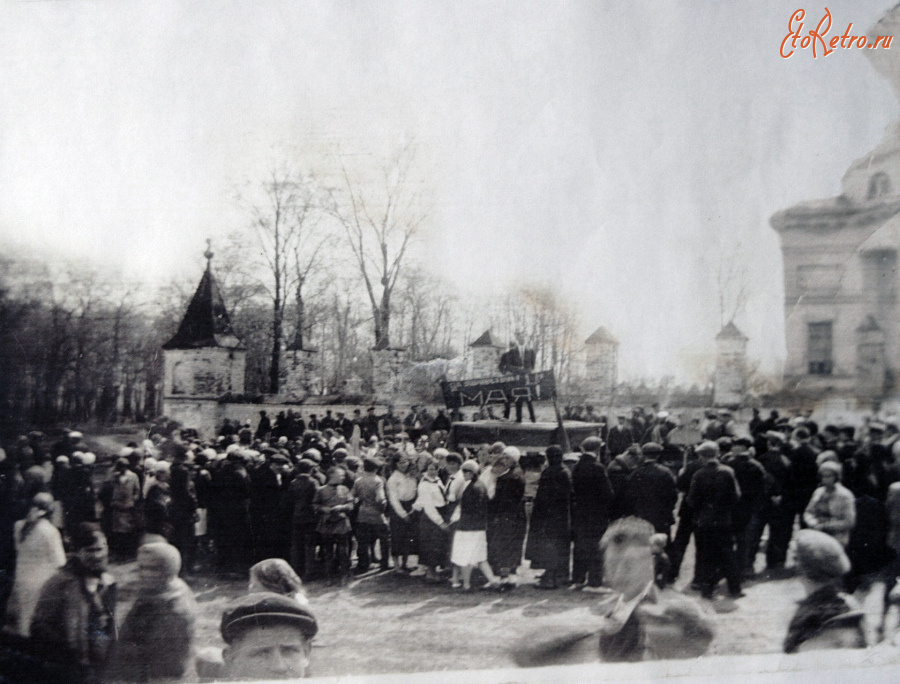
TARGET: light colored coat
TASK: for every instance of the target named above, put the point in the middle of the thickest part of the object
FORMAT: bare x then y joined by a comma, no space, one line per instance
38,557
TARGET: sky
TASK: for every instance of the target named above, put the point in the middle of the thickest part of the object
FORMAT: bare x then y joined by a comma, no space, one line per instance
619,151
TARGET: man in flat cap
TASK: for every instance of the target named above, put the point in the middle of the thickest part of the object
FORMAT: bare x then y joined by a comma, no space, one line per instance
650,492
713,495
269,637
619,437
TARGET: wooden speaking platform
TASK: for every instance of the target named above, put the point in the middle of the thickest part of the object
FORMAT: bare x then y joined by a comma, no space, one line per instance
525,436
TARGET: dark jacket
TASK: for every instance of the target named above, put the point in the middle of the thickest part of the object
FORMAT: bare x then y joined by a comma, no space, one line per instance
548,533
157,637
473,508
301,493
713,495
592,497
69,624
507,521
619,439
650,493
824,610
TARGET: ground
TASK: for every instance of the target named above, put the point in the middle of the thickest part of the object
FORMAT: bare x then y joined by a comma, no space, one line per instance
385,623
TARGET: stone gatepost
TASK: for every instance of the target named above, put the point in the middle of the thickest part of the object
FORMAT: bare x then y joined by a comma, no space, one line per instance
484,357
730,382
299,374
601,364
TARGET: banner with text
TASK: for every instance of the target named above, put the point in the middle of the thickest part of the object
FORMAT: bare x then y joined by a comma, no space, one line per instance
499,389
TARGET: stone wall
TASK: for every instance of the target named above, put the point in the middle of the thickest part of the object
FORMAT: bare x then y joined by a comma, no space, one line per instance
203,415
208,372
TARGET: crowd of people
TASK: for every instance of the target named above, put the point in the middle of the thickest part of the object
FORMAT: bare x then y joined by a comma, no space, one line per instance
333,496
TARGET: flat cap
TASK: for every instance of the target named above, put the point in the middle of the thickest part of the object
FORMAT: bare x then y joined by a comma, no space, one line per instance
652,448
266,608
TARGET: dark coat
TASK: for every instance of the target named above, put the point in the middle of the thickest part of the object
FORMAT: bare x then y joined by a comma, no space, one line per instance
507,521
69,625
751,479
515,361
157,637
473,508
821,612
301,493
619,439
650,493
713,495
592,498
548,533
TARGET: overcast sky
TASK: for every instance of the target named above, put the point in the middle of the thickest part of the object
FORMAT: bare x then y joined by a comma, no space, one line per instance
614,148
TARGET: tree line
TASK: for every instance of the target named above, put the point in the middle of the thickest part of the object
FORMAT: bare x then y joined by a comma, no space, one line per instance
322,264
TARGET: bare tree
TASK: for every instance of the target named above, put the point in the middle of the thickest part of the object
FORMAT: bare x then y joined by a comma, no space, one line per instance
732,284
379,221
283,209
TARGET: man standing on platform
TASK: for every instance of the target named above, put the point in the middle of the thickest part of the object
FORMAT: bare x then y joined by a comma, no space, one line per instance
519,361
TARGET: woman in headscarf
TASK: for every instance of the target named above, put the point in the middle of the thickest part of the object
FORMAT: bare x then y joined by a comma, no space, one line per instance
402,489
39,554
470,548
832,508
430,503
549,535
506,518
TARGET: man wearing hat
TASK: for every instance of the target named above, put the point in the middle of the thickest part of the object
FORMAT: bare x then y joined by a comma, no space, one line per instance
650,492
749,514
74,620
269,637
780,509
713,495
592,498
619,437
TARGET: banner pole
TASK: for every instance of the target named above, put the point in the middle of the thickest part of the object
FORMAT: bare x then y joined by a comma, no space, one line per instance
567,447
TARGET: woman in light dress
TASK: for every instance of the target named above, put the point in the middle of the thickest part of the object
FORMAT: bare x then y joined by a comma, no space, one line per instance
39,554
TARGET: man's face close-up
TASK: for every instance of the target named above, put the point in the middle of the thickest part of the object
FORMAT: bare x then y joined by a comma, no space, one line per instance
268,652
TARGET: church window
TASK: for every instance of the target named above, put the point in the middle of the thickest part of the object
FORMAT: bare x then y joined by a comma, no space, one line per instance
819,348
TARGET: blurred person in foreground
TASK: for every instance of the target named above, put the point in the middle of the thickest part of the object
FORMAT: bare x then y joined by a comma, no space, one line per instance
269,637
827,617
156,639
39,554
74,620
642,622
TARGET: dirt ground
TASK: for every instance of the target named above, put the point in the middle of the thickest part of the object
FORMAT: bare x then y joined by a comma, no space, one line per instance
384,623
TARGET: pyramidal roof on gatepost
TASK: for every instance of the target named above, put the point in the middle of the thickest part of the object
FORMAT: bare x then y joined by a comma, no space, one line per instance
731,332
206,322
486,340
601,336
